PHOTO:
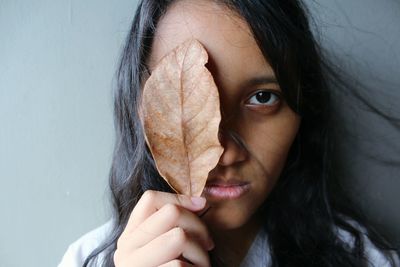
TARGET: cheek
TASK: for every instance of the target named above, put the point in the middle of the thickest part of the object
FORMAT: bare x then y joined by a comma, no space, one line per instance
269,140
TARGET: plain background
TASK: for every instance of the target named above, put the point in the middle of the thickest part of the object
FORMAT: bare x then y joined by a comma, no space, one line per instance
57,61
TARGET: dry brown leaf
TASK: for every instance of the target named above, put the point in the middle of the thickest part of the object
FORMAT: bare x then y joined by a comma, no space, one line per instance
181,114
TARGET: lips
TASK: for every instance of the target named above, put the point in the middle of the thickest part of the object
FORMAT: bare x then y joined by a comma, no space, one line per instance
219,188
223,182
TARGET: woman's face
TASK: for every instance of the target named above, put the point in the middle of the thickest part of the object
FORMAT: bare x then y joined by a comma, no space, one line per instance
251,108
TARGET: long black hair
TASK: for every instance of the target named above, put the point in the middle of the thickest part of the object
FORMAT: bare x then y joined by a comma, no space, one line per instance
306,208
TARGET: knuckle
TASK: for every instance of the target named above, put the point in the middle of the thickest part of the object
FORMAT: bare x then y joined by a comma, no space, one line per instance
120,242
149,196
116,257
180,236
172,212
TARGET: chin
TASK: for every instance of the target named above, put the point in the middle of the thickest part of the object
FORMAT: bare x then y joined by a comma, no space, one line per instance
225,219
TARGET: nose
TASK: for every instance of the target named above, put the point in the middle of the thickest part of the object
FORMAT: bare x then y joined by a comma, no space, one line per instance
234,150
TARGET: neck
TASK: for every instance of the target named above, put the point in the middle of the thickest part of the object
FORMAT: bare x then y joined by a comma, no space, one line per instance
231,246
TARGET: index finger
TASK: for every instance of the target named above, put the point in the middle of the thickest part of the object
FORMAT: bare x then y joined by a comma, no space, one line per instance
151,201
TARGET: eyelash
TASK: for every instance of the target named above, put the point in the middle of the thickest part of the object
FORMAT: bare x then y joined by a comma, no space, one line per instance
264,105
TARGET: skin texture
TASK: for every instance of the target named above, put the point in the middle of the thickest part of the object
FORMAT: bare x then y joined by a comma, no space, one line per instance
266,129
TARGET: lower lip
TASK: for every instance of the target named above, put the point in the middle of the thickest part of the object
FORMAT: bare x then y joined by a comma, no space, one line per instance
226,191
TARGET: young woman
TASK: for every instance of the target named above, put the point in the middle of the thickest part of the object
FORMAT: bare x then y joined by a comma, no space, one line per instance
274,90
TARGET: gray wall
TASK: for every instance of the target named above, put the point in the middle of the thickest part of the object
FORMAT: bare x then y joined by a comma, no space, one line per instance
57,64
57,60
363,37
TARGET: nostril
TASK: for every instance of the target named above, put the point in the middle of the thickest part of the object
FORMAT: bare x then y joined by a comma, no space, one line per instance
234,147
225,136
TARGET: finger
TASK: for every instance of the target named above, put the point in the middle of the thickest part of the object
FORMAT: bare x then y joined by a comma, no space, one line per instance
151,201
170,216
177,263
169,246
194,253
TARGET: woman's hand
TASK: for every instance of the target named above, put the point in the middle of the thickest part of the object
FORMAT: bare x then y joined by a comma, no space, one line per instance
163,230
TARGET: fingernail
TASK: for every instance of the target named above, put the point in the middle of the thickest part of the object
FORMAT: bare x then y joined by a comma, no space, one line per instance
198,201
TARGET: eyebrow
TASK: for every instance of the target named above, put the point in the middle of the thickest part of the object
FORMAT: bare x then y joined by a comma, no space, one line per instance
260,80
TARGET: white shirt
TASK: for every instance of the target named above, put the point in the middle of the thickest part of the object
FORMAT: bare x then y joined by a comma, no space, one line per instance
80,249
257,255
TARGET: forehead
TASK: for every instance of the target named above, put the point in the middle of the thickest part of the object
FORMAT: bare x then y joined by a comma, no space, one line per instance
225,35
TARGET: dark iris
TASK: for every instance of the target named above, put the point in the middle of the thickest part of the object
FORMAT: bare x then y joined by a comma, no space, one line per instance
263,97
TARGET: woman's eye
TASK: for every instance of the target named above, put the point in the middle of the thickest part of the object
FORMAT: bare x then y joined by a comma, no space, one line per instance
264,98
